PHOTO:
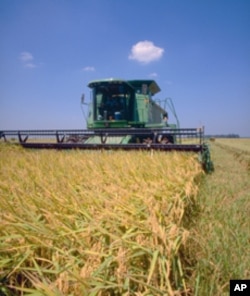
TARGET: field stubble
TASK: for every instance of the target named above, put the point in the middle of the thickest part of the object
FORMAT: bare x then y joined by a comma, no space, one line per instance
221,235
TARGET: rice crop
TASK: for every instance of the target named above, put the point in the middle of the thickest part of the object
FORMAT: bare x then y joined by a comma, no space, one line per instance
239,148
95,223
242,144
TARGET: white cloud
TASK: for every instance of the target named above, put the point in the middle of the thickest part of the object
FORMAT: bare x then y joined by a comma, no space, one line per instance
89,69
26,56
27,60
145,52
29,65
153,75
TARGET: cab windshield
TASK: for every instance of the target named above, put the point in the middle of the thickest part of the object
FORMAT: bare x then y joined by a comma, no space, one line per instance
111,102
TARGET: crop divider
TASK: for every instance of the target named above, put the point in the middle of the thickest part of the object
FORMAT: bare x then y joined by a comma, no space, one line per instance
58,139
22,140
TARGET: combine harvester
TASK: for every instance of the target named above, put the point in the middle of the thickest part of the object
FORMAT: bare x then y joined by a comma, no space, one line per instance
121,115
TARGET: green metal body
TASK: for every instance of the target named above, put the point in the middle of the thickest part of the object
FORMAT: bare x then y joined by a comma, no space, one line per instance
117,103
123,104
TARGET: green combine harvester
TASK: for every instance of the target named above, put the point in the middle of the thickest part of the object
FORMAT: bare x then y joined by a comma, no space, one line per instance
121,115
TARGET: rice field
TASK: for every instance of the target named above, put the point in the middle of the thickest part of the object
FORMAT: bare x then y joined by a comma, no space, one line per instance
240,144
95,223
123,223
239,148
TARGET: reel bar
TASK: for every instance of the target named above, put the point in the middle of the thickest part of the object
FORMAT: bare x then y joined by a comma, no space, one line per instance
20,134
153,146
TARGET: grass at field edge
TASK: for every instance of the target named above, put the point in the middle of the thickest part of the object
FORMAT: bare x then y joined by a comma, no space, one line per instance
220,240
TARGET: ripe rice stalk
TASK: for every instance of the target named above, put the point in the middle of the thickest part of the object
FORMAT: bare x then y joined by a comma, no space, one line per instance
95,223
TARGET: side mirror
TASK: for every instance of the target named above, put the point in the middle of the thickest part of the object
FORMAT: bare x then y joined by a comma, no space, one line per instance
82,98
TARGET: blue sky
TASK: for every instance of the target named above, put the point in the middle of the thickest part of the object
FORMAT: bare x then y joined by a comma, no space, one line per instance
198,51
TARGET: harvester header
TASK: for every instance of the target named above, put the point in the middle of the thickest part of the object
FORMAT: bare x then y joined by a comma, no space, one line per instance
122,114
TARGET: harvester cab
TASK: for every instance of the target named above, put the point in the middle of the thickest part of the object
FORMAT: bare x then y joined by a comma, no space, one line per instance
124,104
122,115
